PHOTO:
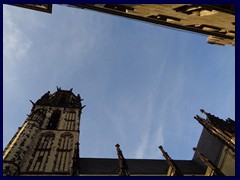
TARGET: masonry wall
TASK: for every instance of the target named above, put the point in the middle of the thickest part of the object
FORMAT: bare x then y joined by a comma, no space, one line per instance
210,146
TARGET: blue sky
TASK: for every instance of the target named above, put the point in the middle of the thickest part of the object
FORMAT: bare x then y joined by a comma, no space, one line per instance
142,84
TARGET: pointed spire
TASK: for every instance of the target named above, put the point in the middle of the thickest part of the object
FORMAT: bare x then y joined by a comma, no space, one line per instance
208,115
123,167
216,121
218,130
175,169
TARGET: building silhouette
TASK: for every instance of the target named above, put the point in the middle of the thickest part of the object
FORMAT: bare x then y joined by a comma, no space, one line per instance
215,20
47,144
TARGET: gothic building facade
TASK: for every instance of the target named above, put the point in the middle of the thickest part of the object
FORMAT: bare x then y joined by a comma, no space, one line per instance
47,142
47,145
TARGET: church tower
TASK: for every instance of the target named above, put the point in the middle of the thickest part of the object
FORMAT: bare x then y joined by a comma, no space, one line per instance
47,142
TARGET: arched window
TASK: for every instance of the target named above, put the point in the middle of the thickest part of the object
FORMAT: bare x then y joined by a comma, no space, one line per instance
42,151
64,153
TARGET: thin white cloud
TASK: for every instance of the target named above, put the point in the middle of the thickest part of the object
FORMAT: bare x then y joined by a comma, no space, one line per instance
158,139
16,45
146,144
143,145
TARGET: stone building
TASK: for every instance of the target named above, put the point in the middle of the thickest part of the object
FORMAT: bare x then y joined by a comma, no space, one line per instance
217,142
48,139
215,20
47,144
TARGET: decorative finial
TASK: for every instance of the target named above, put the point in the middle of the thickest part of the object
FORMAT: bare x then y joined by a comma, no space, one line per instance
117,145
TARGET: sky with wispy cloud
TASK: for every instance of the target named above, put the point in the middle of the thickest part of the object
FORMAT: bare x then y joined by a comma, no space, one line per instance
142,84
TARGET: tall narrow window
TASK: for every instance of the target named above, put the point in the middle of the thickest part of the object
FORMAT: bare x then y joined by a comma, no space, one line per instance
63,156
70,121
42,152
54,120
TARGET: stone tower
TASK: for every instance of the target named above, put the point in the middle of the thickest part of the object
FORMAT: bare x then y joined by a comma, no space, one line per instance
47,142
